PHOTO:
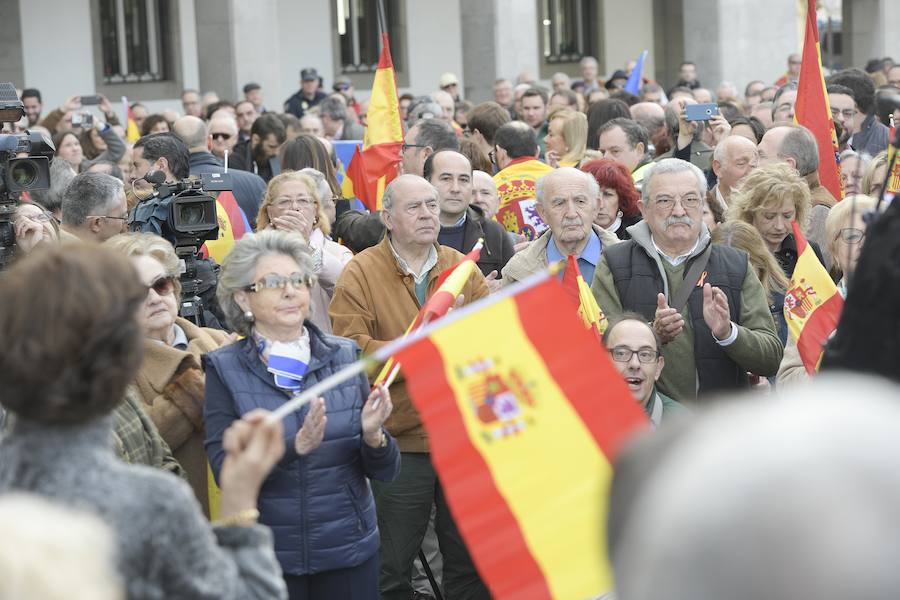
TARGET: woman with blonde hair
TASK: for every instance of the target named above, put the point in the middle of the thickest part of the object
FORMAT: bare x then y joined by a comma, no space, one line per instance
293,202
873,178
170,381
743,236
770,198
566,139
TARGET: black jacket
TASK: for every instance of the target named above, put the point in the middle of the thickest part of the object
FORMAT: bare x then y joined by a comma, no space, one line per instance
242,159
298,104
248,188
498,246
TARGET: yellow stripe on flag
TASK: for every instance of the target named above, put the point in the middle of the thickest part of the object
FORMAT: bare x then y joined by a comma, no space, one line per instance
566,535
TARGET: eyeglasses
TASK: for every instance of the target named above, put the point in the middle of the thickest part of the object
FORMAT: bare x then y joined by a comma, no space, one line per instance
847,113
851,235
220,136
163,286
107,217
623,354
668,202
273,282
405,147
296,203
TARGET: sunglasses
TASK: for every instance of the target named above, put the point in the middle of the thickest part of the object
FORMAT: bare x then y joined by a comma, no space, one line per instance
272,282
220,136
163,286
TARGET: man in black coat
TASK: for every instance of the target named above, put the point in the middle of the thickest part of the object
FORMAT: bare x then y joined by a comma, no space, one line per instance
259,154
463,224
308,96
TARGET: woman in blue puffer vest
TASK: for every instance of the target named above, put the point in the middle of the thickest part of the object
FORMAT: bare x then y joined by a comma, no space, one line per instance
317,499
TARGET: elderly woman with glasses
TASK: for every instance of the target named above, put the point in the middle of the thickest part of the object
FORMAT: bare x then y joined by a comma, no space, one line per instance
317,501
170,381
845,231
298,201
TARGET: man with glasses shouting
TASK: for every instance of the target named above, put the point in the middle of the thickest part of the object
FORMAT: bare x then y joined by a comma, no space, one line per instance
634,349
93,209
703,301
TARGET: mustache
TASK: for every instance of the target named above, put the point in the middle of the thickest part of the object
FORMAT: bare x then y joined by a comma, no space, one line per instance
572,222
678,221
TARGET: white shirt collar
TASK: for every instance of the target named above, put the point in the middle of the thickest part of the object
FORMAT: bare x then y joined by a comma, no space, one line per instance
675,260
429,264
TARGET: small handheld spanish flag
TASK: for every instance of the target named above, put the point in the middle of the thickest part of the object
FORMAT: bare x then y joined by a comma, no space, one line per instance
812,304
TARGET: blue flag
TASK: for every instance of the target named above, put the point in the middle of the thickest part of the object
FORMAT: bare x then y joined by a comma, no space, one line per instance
633,85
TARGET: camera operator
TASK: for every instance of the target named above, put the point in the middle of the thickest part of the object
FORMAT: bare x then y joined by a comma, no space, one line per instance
93,209
70,114
166,153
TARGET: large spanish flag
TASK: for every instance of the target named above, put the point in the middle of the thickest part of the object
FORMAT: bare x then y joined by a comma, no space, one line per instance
812,304
579,292
375,166
525,415
812,109
450,284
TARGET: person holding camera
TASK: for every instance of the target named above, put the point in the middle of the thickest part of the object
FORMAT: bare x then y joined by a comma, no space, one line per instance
167,154
169,380
87,344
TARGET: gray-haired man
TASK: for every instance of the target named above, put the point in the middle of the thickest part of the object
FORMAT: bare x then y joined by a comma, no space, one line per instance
716,330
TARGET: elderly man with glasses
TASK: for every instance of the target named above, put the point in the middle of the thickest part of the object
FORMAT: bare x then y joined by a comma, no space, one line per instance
704,302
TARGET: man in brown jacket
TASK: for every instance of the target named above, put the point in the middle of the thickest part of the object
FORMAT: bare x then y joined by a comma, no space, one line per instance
375,299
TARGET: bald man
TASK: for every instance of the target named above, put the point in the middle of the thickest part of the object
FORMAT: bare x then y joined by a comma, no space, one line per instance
248,188
733,159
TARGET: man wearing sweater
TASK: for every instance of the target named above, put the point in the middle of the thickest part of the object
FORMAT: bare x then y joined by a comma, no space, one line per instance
724,330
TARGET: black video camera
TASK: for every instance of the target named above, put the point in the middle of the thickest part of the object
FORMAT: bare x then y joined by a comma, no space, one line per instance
18,173
185,214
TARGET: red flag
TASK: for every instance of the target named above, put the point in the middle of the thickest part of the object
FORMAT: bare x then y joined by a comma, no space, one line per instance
812,109
376,166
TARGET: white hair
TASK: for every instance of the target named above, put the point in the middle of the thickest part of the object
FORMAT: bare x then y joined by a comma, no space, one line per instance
669,166
540,189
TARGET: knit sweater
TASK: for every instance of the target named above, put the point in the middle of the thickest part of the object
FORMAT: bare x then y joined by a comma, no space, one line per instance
166,549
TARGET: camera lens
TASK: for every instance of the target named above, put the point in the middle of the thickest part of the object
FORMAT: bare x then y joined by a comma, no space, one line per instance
191,214
24,174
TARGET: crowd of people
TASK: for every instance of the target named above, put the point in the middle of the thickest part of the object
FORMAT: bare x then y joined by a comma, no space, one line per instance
116,405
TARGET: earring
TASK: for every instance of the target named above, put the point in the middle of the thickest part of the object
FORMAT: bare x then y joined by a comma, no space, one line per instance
248,315
619,214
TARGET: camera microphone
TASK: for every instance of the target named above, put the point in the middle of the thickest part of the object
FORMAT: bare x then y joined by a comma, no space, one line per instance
155,177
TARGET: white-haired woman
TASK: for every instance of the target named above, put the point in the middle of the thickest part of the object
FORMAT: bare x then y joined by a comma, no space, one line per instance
170,381
298,201
317,501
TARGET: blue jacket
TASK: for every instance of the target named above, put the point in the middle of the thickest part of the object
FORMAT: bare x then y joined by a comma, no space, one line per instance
319,506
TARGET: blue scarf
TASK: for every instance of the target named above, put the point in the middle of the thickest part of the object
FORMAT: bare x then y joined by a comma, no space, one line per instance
286,361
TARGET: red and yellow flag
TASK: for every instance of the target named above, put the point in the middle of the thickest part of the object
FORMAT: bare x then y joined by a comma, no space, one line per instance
813,110
375,166
812,304
893,185
449,285
233,225
580,293
525,414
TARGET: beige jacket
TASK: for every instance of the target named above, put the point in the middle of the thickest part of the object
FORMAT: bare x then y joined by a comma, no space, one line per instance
172,387
534,258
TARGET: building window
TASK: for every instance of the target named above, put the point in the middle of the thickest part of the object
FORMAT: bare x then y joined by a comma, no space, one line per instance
358,34
568,30
131,38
